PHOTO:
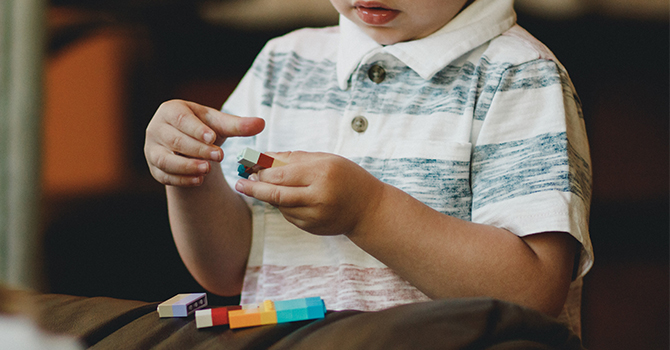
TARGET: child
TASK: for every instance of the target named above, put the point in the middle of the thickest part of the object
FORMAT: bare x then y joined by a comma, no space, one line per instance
443,154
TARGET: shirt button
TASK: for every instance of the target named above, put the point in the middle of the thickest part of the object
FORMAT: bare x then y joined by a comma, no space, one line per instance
359,124
377,73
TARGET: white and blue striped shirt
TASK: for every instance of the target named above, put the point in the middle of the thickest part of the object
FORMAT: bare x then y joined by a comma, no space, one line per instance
478,121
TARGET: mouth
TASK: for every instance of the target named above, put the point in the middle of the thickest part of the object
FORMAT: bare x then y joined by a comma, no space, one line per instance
374,13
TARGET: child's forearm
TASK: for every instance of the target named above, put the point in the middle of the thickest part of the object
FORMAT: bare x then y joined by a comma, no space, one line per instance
211,225
448,257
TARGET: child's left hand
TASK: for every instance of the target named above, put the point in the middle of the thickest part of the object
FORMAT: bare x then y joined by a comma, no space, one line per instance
321,193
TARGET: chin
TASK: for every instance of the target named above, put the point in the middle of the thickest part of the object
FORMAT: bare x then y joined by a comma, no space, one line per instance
384,38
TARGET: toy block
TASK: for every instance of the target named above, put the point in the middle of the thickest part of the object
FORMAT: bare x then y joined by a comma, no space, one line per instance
244,318
242,171
182,305
265,161
252,161
203,318
250,315
213,317
248,157
299,309
268,313
316,308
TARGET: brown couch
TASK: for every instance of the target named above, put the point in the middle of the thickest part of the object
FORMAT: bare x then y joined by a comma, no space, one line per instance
476,323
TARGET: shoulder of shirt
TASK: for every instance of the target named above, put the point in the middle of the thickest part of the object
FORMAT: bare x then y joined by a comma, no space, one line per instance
516,46
318,42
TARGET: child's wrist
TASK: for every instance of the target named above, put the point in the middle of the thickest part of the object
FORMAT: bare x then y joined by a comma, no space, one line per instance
371,217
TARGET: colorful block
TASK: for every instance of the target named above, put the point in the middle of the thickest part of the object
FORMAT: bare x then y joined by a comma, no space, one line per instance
243,171
300,309
182,305
265,161
268,313
244,318
213,317
252,161
248,157
316,308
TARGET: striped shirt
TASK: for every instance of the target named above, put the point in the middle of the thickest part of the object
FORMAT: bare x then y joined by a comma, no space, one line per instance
478,121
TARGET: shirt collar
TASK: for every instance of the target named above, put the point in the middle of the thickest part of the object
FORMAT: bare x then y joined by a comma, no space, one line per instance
480,22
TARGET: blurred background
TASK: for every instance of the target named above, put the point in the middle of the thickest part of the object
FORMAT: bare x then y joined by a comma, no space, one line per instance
80,213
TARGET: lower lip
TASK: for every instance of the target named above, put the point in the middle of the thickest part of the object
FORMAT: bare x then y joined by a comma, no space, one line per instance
376,16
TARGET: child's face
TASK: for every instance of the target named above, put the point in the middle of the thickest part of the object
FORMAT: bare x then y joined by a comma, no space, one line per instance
392,21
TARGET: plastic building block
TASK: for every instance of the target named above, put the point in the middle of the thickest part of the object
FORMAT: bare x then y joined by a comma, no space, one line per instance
243,171
265,161
248,157
316,308
300,309
251,315
268,313
244,318
213,317
182,305
252,161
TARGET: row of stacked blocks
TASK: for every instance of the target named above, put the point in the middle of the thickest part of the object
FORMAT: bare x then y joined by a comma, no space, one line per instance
240,316
251,161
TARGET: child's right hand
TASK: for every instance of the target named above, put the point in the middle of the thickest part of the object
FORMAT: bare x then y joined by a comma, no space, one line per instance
184,137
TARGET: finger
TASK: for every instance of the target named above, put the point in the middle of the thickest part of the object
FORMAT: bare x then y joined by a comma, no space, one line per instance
228,125
178,142
178,165
279,196
176,180
296,174
298,156
186,117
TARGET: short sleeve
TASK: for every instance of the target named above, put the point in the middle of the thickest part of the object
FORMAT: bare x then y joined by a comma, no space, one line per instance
531,168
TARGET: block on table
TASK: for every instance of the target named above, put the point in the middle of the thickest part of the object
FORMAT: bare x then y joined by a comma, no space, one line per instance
213,317
182,305
268,313
316,308
299,309
244,318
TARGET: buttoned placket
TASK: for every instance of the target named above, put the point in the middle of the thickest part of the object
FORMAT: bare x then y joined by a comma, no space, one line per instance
356,124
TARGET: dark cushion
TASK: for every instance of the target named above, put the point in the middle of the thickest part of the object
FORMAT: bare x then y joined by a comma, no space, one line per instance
470,323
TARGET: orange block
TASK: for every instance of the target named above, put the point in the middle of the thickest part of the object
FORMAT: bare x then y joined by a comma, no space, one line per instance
244,318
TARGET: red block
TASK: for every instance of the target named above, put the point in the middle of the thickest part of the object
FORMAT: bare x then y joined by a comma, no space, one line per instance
265,161
220,316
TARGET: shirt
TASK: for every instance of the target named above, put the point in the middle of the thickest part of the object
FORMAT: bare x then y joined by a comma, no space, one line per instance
478,121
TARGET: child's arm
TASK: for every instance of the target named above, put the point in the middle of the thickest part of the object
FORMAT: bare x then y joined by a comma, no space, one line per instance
211,224
440,255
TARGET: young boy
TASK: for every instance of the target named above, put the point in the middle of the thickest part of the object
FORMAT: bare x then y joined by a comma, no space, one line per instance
443,154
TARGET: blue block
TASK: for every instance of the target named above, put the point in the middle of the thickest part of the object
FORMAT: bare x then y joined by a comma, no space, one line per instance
299,309
316,308
242,171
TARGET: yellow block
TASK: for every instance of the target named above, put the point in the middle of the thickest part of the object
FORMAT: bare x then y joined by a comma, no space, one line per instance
268,312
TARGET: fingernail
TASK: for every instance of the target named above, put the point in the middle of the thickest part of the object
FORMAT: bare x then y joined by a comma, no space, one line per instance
215,155
239,187
203,167
209,137
253,177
